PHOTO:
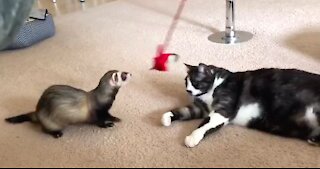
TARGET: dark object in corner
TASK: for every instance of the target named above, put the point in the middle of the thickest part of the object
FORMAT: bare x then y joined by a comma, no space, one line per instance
12,14
33,31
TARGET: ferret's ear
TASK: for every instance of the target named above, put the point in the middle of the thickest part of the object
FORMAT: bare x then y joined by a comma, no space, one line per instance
114,79
189,67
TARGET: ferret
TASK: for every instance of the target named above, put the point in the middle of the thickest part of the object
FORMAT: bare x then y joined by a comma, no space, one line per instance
62,105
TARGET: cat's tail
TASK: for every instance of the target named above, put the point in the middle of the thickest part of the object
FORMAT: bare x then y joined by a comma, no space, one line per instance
29,117
191,112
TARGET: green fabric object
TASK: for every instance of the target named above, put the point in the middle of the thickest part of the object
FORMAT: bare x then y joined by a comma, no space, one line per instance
12,15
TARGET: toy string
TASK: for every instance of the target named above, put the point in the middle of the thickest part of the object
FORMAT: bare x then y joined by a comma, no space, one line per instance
173,25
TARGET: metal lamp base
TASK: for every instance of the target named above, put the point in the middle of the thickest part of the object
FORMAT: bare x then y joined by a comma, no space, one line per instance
240,36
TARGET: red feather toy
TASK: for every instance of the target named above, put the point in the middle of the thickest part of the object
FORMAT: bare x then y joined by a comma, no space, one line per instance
161,59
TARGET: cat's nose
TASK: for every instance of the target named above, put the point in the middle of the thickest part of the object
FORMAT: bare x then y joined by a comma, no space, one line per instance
189,91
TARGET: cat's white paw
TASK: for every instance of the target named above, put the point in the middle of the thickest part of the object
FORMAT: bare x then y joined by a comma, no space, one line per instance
166,119
194,139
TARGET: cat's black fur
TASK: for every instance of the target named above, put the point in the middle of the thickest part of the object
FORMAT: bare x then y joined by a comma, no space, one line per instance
286,102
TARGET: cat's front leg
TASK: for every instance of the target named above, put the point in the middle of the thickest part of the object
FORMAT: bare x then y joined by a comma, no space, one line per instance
211,124
193,111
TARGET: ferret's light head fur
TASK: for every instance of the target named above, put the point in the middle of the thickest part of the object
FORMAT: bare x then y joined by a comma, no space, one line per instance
115,78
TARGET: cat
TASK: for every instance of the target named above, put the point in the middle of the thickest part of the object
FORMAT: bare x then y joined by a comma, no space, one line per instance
285,102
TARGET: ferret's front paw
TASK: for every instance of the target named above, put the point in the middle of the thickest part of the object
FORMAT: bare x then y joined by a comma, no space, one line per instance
56,134
315,141
105,124
115,119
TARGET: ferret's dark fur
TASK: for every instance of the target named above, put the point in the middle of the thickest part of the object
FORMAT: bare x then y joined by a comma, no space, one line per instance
61,105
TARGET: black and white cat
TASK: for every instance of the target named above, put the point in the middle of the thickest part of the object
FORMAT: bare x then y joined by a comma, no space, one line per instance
284,102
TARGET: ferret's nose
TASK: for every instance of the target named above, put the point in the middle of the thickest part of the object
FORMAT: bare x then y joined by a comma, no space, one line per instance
125,75
128,74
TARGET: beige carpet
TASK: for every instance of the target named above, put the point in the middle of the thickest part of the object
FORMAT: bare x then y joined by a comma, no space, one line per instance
123,35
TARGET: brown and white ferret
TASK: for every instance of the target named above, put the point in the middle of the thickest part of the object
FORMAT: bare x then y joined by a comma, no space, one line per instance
61,105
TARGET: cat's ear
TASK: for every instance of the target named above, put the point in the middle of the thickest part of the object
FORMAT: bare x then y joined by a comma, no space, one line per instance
207,69
212,71
189,67
202,67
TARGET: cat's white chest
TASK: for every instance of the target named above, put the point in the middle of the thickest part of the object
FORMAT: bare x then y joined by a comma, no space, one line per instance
207,98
